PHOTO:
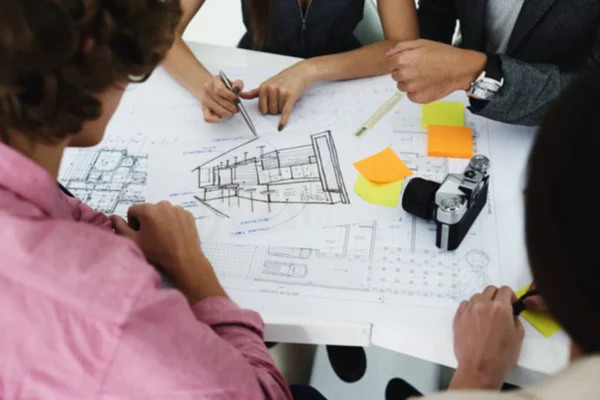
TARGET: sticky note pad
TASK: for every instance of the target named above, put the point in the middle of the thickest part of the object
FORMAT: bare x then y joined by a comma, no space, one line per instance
383,194
449,141
446,113
383,167
543,322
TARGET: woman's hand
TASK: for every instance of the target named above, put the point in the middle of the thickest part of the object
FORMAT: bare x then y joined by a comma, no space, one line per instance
278,94
217,100
168,237
487,339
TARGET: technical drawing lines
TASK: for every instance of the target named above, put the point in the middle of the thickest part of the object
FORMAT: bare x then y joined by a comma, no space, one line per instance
108,180
248,174
287,269
217,212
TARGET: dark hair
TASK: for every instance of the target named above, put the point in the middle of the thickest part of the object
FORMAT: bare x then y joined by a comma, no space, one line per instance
55,54
561,215
260,17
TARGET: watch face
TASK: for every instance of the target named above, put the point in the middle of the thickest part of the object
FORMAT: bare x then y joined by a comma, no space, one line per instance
485,88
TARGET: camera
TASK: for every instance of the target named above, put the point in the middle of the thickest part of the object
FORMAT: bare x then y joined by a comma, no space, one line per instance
453,204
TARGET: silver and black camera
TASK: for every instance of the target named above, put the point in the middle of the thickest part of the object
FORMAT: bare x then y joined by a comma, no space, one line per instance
454,204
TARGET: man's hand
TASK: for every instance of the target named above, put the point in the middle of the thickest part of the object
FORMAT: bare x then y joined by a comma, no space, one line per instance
278,94
428,71
487,340
167,236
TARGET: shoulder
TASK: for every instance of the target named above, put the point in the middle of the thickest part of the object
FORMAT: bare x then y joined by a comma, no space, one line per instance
88,269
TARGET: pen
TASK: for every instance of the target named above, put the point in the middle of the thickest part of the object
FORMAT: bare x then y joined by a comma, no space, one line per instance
383,110
238,103
519,306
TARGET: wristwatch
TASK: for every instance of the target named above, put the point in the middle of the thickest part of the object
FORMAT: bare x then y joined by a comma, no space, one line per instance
488,84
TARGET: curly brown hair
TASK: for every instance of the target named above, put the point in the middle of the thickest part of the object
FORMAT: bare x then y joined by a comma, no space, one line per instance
55,54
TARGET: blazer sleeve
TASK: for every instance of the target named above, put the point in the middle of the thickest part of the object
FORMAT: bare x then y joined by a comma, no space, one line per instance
529,89
437,20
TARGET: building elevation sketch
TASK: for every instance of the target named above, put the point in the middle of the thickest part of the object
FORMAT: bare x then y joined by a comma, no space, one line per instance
251,176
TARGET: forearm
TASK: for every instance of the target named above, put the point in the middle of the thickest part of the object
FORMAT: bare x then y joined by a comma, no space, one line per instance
185,68
470,379
360,63
200,280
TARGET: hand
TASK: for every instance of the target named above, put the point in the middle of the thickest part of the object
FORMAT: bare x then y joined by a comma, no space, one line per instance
487,339
278,94
535,303
218,101
428,71
167,236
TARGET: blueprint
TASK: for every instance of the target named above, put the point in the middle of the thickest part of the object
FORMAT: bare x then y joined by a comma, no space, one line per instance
113,176
368,257
363,268
275,183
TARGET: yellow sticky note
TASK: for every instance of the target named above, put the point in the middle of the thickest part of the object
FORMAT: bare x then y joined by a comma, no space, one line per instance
543,322
449,141
445,113
383,194
383,167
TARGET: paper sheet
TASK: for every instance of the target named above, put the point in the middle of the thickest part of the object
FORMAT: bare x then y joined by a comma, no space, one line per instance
383,167
449,141
373,270
274,183
543,322
375,273
113,175
383,194
448,113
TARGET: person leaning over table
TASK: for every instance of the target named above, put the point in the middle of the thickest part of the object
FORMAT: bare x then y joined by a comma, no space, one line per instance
81,308
321,31
514,57
563,256
562,249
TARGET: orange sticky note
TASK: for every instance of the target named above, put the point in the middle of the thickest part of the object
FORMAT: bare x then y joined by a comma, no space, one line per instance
449,141
383,167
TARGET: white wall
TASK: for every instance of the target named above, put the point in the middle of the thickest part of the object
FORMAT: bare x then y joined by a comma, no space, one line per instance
218,22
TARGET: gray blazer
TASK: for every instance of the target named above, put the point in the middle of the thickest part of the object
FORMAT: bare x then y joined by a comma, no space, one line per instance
552,41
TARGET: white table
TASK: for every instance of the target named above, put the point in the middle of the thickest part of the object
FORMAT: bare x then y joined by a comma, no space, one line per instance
541,357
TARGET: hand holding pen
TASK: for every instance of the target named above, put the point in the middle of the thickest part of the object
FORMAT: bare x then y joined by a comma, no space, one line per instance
238,103
531,300
218,101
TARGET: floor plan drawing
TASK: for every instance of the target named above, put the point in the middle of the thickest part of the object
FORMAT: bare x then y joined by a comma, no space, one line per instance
249,176
380,260
108,180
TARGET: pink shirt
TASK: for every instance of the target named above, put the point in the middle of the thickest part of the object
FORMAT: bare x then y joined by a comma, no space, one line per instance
82,314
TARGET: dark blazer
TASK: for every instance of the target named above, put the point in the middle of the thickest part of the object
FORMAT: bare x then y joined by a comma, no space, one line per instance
552,41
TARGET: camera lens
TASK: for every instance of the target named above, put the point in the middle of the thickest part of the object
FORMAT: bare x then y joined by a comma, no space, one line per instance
419,198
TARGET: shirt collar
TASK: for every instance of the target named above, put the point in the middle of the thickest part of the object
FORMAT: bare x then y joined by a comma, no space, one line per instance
32,183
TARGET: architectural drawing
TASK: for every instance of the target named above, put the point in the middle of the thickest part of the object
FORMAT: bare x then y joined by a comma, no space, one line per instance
376,259
285,269
108,180
390,262
249,175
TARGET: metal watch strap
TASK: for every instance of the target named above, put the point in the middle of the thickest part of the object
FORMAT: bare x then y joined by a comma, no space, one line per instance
493,70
